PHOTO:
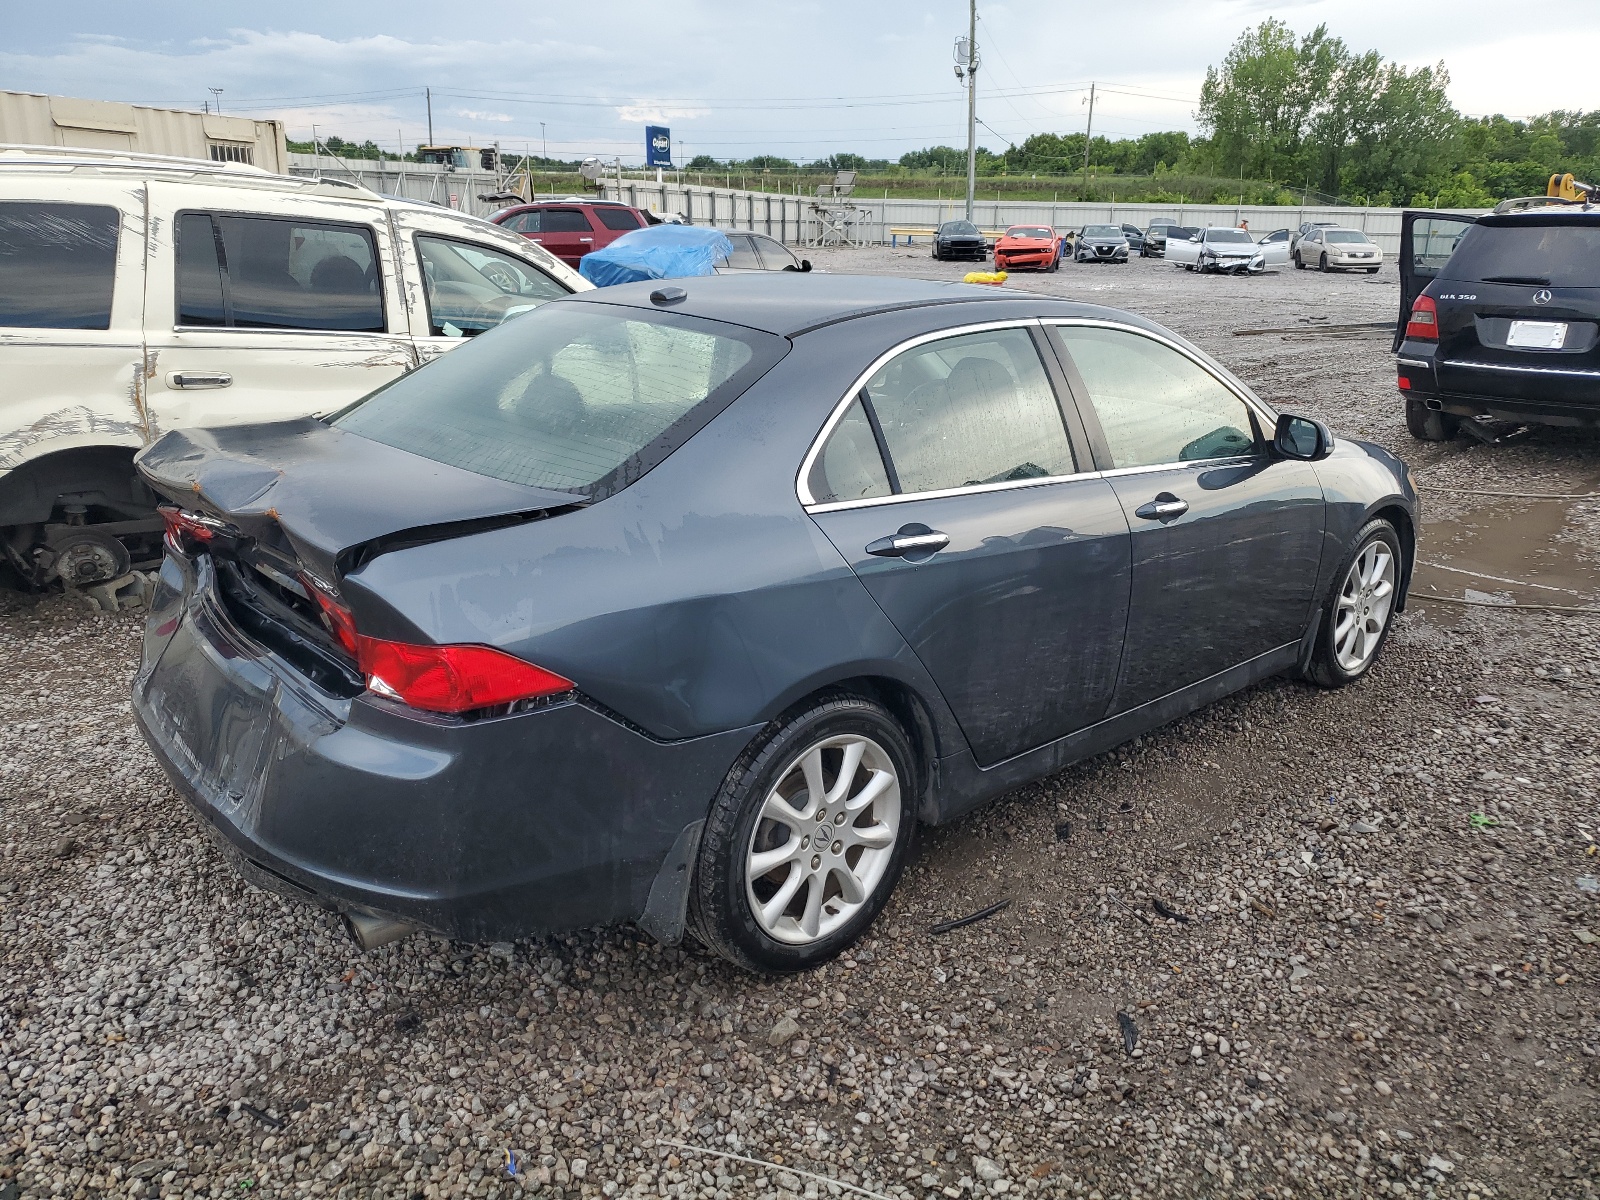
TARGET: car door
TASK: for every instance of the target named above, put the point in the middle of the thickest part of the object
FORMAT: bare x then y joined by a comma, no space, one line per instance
741,258
1274,250
472,278
566,233
1226,536
775,256
951,486
1427,240
260,307
71,315
1183,251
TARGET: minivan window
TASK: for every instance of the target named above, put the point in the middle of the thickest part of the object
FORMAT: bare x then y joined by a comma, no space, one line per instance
278,274
57,264
578,397
471,288
1156,405
1543,251
971,409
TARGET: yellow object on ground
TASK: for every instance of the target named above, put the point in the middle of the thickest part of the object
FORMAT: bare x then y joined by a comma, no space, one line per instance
992,277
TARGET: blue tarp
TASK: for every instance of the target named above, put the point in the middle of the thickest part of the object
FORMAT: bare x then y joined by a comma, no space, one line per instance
655,252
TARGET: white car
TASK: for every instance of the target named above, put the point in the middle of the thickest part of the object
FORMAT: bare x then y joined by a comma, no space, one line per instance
1327,249
140,294
1224,249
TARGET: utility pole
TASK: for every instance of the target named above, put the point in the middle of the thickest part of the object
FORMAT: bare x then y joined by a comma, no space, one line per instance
429,92
972,102
544,143
217,93
1088,139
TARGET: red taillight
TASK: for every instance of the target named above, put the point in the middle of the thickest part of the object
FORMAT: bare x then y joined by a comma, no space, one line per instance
1405,384
441,679
185,531
453,679
337,619
1424,322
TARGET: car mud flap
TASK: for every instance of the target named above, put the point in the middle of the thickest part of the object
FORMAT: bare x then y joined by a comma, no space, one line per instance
1308,644
666,909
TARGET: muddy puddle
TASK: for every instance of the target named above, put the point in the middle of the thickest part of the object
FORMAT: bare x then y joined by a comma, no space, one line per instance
1506,553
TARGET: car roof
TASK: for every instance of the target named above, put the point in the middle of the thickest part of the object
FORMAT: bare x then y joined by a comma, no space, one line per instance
58,160
1545,215
789,303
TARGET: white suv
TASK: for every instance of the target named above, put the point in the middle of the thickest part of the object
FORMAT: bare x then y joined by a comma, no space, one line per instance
140,294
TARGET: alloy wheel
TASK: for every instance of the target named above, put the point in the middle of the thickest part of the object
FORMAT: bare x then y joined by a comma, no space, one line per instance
824,839
1365,602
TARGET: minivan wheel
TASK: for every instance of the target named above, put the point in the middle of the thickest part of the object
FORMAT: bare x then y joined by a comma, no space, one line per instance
1427,425
1358,616
806,838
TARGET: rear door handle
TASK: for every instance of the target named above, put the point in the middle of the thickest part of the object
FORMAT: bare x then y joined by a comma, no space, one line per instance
198,380
586,239
901,544
1164,507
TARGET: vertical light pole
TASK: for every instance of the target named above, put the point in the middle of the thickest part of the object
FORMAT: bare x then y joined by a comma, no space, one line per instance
429,93
544,143
217,94
967,71
1088,137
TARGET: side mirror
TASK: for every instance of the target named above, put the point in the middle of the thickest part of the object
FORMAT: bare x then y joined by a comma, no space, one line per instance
1195,240
805,264
1302,438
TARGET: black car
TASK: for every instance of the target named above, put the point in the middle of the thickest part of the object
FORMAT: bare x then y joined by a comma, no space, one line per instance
959,239
686,604
1100,243
1499,317
1154,242
1134,236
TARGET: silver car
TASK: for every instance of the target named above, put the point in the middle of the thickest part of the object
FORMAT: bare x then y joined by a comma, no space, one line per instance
1342,249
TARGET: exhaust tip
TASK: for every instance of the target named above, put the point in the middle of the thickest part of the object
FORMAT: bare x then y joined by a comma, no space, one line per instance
369,931
1435,405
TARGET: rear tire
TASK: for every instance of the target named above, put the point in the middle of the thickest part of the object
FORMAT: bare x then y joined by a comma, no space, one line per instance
1359,614
798,913
1428,425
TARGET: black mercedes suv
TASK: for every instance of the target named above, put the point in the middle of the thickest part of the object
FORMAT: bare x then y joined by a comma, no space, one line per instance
1499,317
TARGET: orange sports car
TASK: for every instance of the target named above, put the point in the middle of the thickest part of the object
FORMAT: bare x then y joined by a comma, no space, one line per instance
1028,246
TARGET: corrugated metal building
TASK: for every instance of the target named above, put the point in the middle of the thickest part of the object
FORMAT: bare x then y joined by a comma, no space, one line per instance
30,119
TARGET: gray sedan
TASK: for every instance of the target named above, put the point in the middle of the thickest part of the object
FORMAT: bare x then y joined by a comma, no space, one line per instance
688,604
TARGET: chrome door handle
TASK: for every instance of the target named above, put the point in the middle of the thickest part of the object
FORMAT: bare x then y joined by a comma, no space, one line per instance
1163,508
900,544
198,380
586,239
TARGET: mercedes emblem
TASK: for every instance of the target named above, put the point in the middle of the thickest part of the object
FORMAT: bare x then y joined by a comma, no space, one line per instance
1542,296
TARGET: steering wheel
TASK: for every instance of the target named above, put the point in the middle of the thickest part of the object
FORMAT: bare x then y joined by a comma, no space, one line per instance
502,276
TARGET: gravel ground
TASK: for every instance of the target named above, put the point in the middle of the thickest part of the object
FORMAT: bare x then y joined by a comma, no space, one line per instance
1299,944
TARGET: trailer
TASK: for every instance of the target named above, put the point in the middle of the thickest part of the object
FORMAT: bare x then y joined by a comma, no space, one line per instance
32,119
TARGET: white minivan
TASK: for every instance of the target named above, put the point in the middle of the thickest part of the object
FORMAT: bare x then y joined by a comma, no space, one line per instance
139,294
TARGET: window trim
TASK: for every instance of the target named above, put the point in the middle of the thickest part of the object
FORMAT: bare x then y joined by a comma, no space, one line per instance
422,275
1265,416
227,281
802,484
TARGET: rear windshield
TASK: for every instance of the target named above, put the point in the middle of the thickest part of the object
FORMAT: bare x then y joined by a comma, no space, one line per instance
1550,255
582,398
1345,235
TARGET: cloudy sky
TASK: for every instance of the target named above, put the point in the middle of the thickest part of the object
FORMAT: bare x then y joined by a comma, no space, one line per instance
800,79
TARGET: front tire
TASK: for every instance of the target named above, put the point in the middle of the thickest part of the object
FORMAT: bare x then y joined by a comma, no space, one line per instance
1427,425
1299,263
1322,263
769,894
1359,614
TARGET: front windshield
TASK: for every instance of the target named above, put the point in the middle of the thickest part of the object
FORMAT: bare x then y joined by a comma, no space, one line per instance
1227,235
1102,231
958,227
1347,236
1030,231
